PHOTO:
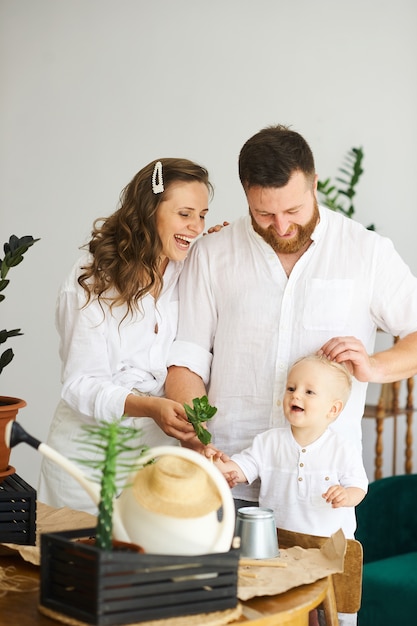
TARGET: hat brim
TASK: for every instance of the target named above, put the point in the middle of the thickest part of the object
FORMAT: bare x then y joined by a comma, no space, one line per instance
177,488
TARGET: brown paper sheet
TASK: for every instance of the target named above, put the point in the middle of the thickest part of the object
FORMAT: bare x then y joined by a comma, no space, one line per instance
303,566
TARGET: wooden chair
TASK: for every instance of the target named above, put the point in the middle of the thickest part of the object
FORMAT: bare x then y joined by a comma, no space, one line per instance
388,407
348,585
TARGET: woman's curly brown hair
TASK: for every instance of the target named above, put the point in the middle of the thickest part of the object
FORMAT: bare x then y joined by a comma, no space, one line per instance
125,246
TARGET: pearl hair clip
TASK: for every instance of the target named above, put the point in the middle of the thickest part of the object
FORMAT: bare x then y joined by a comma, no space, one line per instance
157,180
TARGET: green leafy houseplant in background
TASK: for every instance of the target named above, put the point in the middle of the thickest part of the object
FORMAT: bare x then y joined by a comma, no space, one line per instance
339,197
14,250
116,459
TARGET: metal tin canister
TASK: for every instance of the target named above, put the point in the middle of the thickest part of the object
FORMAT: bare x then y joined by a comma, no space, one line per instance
257,531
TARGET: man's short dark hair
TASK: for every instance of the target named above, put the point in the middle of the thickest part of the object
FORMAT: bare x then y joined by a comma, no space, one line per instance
269,158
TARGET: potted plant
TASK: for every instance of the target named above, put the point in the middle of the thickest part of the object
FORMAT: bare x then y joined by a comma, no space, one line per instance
96,583
14,250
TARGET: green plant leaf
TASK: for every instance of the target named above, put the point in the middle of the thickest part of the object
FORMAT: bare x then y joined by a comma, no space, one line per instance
5,334
5,358
200,412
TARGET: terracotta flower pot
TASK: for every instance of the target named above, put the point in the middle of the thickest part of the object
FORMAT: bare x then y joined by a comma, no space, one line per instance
9,408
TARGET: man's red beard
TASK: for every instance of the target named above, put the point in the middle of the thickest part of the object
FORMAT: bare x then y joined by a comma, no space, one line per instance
294,244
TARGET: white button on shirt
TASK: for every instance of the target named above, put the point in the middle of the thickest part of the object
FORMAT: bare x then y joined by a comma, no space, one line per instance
243,321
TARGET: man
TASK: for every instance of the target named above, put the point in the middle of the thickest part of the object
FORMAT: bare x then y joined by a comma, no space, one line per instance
288,279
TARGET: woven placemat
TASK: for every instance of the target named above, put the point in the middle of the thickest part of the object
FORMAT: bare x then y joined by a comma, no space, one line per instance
216,618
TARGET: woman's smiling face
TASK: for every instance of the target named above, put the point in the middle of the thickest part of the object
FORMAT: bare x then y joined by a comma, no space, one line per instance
180,218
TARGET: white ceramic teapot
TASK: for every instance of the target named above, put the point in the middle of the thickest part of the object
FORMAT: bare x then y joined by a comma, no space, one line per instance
169,507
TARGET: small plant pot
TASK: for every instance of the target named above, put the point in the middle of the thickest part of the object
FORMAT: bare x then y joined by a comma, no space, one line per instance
9,408
123,587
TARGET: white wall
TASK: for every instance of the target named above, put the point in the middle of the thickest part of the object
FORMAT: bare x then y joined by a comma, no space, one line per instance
92,90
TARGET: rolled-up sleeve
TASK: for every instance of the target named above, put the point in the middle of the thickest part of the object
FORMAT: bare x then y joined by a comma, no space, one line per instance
197,359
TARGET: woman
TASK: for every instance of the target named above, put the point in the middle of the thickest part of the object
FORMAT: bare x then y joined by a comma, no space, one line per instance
117,317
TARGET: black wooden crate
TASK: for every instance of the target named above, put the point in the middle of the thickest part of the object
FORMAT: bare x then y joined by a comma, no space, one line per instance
118,587
17,511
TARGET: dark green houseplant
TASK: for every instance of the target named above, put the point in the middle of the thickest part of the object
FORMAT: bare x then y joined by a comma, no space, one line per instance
14,250
339,195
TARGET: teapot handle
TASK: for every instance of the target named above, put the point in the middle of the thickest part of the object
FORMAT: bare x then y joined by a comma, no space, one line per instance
226,531
73,470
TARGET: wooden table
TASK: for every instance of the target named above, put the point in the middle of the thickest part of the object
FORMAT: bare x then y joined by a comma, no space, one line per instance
289,608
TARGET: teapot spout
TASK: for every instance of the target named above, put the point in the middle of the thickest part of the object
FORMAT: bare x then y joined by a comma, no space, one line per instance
15,433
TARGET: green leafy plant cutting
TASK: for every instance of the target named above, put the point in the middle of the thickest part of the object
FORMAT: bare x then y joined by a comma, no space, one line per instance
201,412
111,440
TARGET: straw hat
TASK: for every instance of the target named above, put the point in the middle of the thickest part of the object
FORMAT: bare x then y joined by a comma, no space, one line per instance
176,487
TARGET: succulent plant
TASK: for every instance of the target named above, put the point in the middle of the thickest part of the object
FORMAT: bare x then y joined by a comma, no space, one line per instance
200,412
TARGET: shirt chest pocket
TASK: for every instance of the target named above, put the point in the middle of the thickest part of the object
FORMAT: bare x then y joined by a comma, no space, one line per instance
317,484
328,304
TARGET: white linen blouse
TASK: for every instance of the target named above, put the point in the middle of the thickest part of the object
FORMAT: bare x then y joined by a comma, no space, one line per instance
103,360
103,357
